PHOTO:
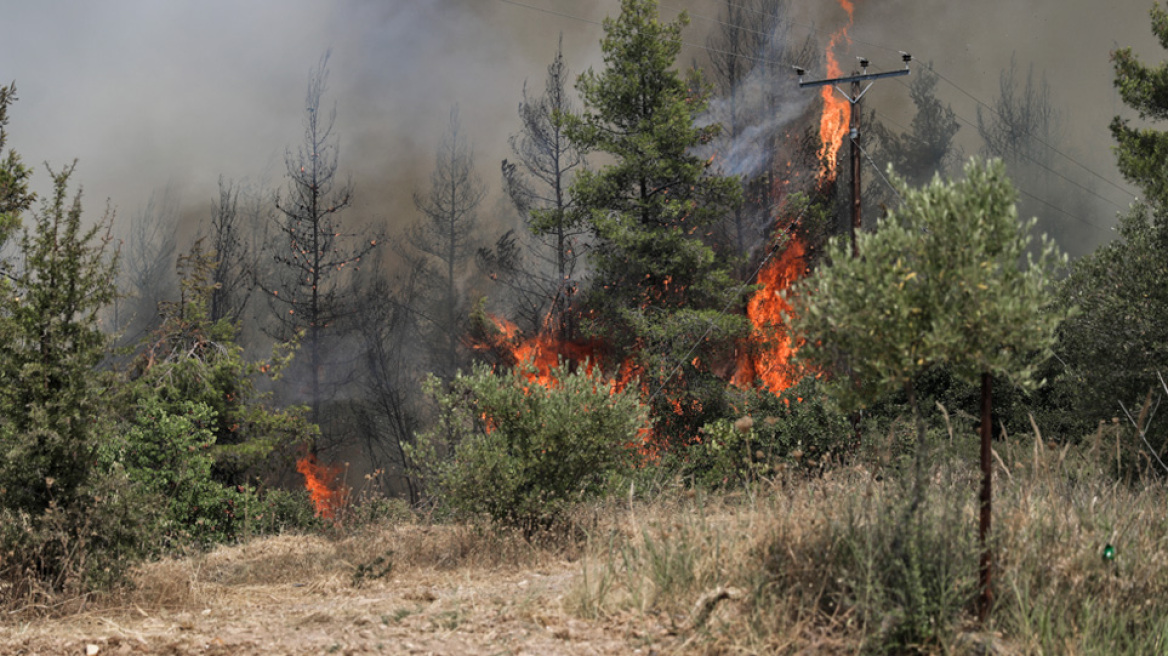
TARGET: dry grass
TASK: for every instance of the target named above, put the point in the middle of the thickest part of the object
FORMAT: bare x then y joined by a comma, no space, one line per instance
303,560
834,563
840,563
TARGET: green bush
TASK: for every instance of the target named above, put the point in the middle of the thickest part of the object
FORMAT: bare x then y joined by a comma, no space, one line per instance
76,547
166,450
522,452
279,511
800,428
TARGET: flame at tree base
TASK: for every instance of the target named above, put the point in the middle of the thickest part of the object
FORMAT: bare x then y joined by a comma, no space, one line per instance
328,495
766,359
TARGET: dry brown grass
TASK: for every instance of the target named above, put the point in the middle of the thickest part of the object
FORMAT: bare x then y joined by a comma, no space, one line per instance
826,564
796,564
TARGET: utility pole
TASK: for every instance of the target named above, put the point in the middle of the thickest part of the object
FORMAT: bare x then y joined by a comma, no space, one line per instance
854,123
854,134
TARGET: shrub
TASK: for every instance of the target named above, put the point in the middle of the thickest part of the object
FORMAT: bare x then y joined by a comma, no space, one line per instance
522,452
279,511
799,428
166,450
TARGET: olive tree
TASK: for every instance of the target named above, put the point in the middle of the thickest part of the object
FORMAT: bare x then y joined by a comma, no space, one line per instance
946,278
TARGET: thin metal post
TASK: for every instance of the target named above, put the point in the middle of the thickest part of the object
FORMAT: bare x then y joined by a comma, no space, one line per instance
854,133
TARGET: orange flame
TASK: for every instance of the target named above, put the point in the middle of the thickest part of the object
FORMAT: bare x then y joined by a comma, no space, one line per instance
543,351
833,124
328,496
769,362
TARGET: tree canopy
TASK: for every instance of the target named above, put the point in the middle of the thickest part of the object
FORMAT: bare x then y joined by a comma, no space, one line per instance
656,285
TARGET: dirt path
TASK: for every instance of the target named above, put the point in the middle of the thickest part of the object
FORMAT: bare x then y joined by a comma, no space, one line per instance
470,611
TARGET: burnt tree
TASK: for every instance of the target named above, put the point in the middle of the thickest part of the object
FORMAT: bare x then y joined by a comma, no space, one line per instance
445,238
312,288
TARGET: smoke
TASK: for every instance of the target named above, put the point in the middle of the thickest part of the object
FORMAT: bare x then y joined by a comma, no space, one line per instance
746,153
149,94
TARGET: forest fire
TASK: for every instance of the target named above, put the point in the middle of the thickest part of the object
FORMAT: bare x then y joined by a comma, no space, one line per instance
767,358
327,493
543,351
833,124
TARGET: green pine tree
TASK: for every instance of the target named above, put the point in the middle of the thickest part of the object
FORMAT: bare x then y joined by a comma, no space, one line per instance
14,194
51,403
1119,342
656,286
1143,152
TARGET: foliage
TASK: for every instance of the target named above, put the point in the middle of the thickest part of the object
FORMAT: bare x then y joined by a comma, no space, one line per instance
926,149
1143,152
74,549
191,359
656,286
165,452
66,524
1114,348
522,452
50,345
799,429
940,280
280,511
14,194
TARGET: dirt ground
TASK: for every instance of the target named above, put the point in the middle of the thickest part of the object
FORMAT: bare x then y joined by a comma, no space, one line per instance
214,605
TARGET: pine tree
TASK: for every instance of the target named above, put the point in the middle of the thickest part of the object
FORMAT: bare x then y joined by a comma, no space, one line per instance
14,194
315,255
656,286
1119,342
51,403
1143,152
444,238
540,269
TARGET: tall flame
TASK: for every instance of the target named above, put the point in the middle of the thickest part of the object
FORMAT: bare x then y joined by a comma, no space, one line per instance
328,496
833,124
769,361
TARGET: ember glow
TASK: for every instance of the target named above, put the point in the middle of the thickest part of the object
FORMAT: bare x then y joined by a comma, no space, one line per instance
833,124
321,481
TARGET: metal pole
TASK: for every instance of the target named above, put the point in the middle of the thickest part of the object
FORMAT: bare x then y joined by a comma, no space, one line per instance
986,599
855,138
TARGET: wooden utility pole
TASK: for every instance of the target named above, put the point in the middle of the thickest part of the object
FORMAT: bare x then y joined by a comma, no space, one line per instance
854,135
854,123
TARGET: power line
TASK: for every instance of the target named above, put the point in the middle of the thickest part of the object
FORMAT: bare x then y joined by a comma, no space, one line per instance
759,60
1034,136
813,28
1020,189
879,172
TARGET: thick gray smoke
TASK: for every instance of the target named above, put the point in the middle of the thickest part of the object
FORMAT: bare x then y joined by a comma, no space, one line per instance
149,94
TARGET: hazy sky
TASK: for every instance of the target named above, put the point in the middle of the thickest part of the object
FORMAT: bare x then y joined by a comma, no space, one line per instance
147,93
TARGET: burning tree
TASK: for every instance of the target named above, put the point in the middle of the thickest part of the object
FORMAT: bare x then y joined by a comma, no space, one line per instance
656,288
